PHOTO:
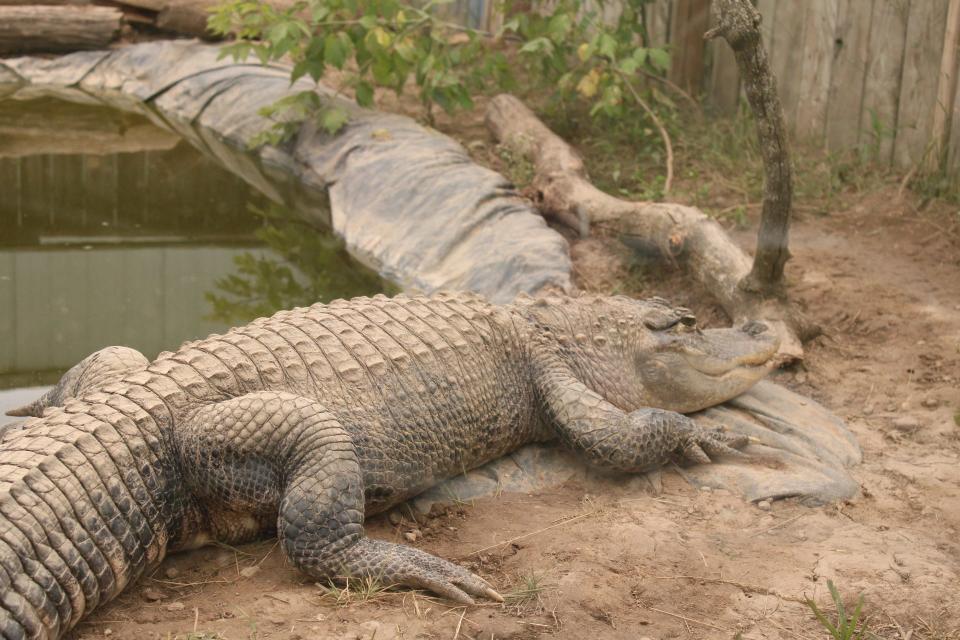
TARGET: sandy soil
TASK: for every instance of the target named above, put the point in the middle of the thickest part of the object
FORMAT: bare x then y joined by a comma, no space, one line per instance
606,560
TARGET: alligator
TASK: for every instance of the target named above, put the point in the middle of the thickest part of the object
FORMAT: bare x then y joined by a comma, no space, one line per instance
301,424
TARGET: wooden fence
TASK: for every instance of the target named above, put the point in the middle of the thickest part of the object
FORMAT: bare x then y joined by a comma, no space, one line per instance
872,75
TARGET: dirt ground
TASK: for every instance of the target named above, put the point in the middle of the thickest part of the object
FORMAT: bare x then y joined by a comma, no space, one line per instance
881,274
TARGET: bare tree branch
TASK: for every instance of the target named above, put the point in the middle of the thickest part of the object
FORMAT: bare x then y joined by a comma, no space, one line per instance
738,22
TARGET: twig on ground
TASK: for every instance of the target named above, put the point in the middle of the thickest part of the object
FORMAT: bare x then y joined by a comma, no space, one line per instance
745,587
686,619
777,526
668,181
527,535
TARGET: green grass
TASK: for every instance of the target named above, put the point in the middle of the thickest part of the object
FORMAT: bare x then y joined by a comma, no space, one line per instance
354,590
846,627
526,591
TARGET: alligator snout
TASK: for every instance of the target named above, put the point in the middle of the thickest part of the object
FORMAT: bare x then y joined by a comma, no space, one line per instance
754,328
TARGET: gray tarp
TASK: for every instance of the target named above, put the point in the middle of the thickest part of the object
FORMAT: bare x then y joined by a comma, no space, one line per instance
410,202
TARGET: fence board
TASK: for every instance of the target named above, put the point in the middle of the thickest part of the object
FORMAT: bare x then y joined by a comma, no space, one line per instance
847,80
788,55
658,22
881,88
691,19
820,27
918,89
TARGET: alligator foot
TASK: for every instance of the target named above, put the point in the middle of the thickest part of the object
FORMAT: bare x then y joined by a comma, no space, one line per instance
701,445
398,565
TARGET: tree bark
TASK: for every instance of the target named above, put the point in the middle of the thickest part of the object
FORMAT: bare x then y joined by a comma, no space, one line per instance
32,28
738,22
678,232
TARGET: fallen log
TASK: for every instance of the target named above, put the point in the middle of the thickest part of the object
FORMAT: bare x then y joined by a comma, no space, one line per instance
680,233
57,28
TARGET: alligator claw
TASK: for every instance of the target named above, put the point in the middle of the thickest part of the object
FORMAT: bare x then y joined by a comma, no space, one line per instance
454,583
711,443
407,566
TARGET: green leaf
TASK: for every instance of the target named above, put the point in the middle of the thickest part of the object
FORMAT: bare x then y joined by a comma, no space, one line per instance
659,58
537,44
337,48
607,46
364,93
628,65
640,55
332,119
368,22
558,26
406,49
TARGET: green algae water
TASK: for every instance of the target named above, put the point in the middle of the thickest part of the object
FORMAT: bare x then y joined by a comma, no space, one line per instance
114,231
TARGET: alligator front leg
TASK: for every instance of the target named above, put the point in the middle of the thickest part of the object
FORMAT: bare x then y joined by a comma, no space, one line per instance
274,455
611,438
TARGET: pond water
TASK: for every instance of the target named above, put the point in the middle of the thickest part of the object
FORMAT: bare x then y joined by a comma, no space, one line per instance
114,231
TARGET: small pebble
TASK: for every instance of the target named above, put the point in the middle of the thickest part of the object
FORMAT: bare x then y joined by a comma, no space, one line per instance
171,572
176,606
395,518
867,410
411,536
906,424
764,505
931,403
801,377
249,572
108,631
152,595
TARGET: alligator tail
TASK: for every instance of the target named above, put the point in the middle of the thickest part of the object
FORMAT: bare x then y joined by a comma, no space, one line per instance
83,513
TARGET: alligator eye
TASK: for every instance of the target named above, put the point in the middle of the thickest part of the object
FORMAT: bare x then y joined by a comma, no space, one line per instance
688,320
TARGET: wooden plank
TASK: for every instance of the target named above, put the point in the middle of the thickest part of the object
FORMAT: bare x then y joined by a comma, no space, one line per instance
881,87
691,19
818,47
32,28
918,87
848,78
788,55
658,22
946,91
724,88
953,150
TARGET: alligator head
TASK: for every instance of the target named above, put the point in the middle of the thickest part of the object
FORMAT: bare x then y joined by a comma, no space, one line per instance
647,353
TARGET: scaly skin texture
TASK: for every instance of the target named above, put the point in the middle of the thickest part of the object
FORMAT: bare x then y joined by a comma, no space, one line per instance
303,423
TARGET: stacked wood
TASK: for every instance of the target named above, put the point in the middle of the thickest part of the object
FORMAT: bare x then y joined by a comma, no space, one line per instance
57,28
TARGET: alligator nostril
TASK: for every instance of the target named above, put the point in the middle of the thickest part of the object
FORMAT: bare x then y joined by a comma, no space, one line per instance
754,328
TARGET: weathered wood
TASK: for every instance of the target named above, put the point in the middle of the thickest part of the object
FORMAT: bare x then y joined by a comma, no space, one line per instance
658,22
691,18
918,89
818,50
848,77
946,92
786,56
676,231
738,22
724,89
34,28
881,89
